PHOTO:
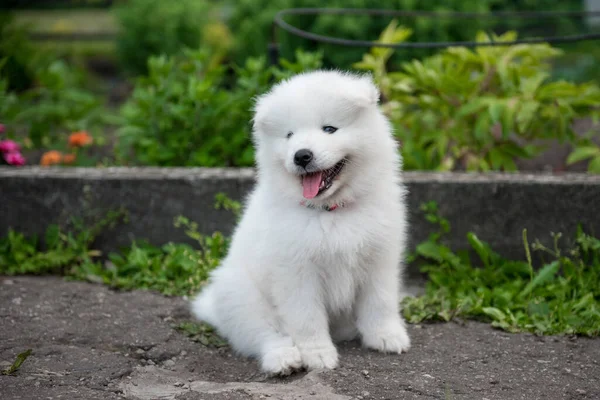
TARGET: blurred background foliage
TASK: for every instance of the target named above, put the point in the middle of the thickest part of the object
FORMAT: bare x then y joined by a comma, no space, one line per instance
171,83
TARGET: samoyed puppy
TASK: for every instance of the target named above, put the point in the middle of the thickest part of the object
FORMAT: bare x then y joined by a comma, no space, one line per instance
317,255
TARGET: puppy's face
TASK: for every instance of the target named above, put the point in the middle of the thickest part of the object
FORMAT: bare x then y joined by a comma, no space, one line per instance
313,130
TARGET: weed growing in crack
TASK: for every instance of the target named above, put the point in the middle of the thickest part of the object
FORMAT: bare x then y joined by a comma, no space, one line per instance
172,269
21,357
562,297
201,333
65,249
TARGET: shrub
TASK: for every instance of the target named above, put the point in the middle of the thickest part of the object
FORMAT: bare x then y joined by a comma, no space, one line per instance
251,20
155,27
58,105
20,55
183,113
480,109
8,99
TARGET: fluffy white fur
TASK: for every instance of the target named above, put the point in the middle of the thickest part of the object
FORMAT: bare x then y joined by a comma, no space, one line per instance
298,278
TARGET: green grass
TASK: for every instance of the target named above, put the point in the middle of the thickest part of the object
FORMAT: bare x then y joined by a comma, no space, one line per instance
172,269
21,357
561,297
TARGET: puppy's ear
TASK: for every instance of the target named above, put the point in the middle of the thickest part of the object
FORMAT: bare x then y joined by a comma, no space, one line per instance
260,120
364,93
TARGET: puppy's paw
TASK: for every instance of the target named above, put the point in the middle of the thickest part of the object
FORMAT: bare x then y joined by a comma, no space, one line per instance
320,357
392,339
281,360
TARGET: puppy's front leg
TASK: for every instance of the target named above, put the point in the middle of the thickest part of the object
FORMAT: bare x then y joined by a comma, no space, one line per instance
378,316
303,315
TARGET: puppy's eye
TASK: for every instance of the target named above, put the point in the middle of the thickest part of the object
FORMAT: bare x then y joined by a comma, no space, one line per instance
329,129
289,135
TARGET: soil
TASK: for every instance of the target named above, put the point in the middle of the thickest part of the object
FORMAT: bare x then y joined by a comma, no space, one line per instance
91,342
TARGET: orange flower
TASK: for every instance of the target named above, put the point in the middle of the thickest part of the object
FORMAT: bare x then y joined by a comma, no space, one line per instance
69,158
80,139
51,157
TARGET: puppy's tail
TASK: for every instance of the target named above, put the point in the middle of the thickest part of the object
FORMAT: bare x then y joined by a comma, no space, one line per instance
203,306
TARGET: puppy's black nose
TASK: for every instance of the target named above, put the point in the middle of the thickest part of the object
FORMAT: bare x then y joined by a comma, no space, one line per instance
303,157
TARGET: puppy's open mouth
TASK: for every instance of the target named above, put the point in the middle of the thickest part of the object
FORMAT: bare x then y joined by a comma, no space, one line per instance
315,183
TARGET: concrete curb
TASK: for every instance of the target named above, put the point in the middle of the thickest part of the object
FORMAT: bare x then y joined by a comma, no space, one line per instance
495,206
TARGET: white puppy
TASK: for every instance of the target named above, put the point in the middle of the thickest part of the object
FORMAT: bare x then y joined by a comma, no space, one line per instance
317,255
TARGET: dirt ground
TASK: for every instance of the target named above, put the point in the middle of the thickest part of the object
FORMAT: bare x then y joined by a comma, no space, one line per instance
90,342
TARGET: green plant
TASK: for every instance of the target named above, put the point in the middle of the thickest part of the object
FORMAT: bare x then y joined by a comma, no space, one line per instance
225,203
562,297
8,99
478,110
155,27
58,105
21,56
64,248
21,357
201,333
172,269
184,114
589,150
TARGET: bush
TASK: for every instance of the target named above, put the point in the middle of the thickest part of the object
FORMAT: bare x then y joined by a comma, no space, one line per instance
481,109
251,20
57,105
155,27
42,97
20,55
8,99
183,113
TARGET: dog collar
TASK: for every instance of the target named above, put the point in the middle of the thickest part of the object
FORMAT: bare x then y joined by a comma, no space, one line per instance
325,207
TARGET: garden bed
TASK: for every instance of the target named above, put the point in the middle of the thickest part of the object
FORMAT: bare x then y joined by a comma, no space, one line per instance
495,206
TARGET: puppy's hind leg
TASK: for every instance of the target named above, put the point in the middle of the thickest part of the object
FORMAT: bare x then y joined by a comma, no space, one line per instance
245,318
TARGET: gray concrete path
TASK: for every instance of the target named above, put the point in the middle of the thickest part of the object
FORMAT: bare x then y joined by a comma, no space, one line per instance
90,342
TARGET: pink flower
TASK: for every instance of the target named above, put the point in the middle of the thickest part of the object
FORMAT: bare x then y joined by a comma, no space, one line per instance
2,129
14,158
8,146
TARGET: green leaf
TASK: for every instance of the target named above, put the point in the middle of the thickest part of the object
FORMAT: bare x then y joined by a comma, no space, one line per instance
530,85
582,153
526,114
594,165
544,275
471,107
494,313
429,250
479,247
482,128
21,357
496,110
508,120
497,158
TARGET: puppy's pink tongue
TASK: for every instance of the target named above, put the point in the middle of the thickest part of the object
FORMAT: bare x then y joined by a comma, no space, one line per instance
310,184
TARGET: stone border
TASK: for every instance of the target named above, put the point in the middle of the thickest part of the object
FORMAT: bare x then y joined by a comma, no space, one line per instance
495,206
